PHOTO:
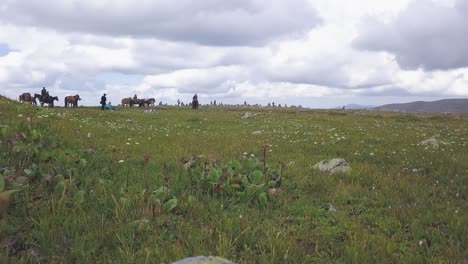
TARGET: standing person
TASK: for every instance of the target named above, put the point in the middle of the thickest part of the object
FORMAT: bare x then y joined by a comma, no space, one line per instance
195,102
103,101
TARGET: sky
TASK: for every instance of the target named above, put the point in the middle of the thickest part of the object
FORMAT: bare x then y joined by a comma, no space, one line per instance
314,53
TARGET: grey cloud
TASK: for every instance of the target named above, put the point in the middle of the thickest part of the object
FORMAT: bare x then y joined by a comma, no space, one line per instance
426,35
208,22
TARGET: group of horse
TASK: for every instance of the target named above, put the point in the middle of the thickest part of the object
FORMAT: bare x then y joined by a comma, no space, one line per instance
140,102
71,100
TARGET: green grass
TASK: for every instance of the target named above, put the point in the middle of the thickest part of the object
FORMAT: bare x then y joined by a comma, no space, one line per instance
87,198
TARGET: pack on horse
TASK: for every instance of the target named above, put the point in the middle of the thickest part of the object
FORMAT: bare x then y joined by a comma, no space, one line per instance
72,100
46,99
26,97
139,102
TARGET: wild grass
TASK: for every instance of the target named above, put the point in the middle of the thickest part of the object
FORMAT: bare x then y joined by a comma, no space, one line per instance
86,192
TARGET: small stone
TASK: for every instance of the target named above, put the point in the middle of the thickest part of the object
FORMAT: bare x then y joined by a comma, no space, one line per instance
204,260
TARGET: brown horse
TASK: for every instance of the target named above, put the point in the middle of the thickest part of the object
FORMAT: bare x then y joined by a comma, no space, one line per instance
26,97
127,102
72,100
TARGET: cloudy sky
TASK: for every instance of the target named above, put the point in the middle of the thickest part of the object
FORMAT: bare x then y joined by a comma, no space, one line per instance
317,53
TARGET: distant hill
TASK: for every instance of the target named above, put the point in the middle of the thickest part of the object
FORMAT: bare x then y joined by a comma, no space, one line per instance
355,107
440,106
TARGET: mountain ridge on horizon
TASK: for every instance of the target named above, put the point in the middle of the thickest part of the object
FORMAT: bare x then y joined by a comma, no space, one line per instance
439,106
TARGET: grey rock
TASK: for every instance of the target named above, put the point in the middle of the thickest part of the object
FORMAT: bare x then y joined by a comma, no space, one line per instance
247,115
336,165
204,260
432,142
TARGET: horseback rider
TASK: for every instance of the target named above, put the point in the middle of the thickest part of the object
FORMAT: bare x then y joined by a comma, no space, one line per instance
44,93
195,97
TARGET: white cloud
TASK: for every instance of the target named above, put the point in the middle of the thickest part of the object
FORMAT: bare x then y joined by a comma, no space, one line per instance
416,41
250,50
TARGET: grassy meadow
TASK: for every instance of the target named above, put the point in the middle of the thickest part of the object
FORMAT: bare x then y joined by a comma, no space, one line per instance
95,186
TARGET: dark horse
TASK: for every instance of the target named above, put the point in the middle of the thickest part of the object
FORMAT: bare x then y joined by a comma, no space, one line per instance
46,99
195,104
150,101
72,100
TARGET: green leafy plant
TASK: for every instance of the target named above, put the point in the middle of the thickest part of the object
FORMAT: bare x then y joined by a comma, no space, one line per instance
4,196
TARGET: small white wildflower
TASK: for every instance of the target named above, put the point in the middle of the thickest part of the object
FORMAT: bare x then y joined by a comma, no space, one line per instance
121,161
89,134
372,154
252,155
245,153
129,139
20,115
136,143
128,143
420,243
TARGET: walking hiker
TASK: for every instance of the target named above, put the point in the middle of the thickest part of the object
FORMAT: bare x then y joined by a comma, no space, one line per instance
103,101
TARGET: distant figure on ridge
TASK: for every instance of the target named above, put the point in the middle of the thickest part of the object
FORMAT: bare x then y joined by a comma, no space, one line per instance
103,101
195,102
